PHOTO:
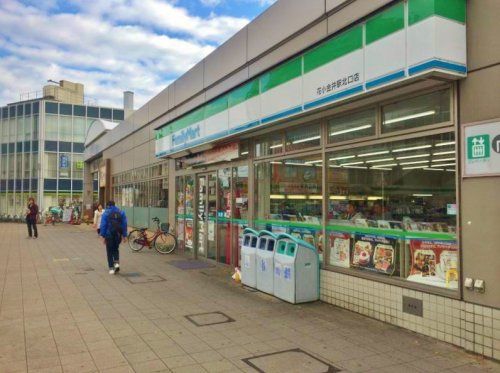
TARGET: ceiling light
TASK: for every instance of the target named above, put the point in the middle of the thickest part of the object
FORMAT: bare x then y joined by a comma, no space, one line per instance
374,198
446,143
316,197
444,153
276,146
311,162
375,153
336,133
351,163
379,160
414,162
298,164
414,156
344,157
434,169
414,167
358,167
277,196
408,117
411,148
306,140
274,162
443,159
385,165
381,168
244,153
443,165
422,195
338,198
450,170
296,196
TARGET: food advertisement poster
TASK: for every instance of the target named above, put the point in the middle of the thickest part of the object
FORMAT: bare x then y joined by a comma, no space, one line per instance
189,233
434,262
340,249
375,253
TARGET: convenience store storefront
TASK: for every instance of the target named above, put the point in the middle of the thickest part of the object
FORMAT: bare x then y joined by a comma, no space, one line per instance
352,145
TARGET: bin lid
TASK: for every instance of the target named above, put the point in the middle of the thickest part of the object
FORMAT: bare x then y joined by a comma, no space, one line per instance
250,231
297,241
267,233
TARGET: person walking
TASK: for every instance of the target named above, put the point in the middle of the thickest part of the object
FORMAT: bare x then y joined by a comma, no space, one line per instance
97,218
113,230
31,216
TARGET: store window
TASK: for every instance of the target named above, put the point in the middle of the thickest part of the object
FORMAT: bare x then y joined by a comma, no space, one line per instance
392,210
419,111
352,126
289,198
51,127
269,145
302,137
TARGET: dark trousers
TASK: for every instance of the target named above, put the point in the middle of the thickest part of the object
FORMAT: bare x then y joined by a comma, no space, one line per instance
112,244
32,227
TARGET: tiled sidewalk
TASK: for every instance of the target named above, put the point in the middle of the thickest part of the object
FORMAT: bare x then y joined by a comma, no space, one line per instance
61,311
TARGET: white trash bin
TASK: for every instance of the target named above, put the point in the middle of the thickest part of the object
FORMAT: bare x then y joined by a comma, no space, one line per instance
248,251
265,261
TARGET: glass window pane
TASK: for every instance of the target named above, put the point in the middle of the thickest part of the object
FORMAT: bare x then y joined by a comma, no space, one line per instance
379,197
51,108
79,129
64,165
92,112
50,165
352,126
77,169
106,113
78,111
271,144
65,128
418,111
303,137
65,109
51,127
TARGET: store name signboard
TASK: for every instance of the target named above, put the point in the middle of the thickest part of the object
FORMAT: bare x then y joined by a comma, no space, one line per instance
482,150
220,154
399,43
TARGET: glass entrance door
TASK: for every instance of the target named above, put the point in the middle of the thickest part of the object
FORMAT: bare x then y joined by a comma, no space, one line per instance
206,212
224,215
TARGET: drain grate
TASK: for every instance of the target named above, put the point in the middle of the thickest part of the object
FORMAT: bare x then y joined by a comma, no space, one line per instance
283,360
144,279
131,274
209,318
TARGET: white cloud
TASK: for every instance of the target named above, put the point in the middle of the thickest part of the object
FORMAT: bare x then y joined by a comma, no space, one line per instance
211,3
104,46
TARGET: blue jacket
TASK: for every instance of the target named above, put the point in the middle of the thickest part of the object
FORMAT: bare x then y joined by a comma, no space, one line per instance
106,224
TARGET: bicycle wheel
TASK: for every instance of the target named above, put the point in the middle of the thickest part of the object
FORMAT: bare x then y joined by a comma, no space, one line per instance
165,243
136,240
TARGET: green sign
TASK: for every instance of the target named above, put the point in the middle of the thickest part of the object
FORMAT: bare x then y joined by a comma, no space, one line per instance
478,147
79,165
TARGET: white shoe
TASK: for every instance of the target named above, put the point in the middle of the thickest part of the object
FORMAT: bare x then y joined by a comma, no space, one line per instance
117,267
112,271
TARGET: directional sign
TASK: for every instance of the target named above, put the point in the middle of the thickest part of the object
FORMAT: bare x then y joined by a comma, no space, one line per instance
482,149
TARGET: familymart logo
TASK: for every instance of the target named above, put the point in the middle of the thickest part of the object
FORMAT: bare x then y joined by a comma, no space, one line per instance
186,135
478,147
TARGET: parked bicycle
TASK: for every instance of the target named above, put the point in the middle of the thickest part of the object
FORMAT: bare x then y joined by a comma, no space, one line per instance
162,240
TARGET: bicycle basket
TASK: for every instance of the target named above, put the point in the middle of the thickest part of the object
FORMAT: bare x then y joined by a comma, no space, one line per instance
165,227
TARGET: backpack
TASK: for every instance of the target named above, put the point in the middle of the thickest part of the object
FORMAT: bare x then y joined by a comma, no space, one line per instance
115,227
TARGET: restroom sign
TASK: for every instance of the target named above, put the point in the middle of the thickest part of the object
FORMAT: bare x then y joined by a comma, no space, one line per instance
482,149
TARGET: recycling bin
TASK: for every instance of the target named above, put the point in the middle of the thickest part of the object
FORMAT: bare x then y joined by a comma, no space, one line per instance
265,261
248,249
296,270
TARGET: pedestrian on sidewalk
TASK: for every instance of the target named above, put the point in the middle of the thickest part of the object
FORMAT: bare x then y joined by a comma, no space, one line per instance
113,229
31,216
97,218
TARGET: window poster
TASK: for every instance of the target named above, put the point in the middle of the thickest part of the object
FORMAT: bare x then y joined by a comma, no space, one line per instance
434,263
340,249
375,253
189,233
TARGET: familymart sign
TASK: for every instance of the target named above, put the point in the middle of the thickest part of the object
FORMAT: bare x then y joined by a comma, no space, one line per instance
482,149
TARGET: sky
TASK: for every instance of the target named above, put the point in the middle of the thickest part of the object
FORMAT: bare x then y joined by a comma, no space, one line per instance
111,46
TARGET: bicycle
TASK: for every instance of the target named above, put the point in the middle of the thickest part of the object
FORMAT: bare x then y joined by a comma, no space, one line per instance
163,240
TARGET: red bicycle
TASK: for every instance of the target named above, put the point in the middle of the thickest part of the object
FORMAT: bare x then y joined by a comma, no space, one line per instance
162,240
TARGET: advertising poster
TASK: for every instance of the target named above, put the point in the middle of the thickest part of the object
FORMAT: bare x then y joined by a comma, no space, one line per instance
189,233
375,253
340,249
434,263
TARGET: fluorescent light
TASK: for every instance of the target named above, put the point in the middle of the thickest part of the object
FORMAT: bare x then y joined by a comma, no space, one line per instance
296,196
443,159
358,167
274,162
413,116
306,139
414,162
298,164
443,165
444,153
276,146
336,133
375,153
414,156
338,198
446,143
451,170
244,153
414,167
421,195
310,162
381,168
374,198
277,196
351,163
379,160
385,165
411,148
316,197
344,157
434,169
335,166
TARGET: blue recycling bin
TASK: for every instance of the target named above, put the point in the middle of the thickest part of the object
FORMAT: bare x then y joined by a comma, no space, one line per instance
248,251
296,270
265,261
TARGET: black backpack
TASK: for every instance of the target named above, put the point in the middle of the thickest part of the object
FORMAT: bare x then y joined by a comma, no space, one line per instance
115,227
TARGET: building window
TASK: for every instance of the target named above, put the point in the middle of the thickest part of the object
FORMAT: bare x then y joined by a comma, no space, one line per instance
352,126
392,210
50,165
269,145
51,127
419,111
105,113
65,128
289,197
78,164
79,129
92,112
65,109
302,137
51,108
64,165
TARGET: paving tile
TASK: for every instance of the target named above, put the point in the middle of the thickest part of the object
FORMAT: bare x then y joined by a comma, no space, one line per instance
152,366
178,361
